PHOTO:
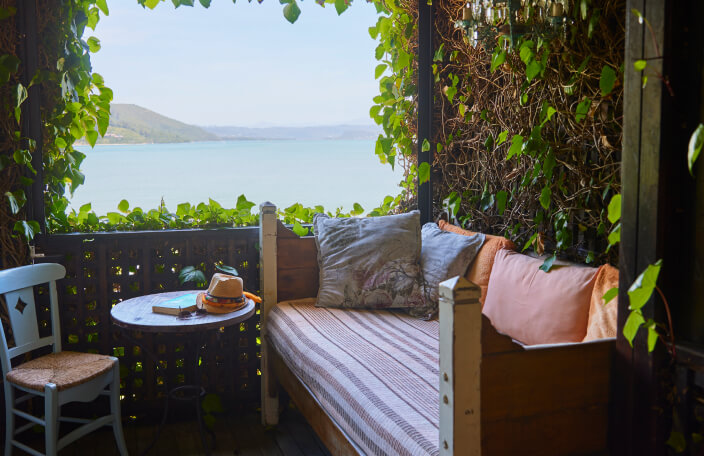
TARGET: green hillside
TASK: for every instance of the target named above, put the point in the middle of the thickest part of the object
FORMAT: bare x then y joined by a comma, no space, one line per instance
132,124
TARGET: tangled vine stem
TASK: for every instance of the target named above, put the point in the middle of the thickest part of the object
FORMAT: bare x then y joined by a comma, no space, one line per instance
475,105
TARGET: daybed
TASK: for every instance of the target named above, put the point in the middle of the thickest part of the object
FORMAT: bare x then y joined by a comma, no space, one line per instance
382,382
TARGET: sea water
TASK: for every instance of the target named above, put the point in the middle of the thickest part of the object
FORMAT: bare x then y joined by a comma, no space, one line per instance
333,173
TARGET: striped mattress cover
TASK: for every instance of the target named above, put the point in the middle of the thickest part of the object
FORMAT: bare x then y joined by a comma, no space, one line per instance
375,372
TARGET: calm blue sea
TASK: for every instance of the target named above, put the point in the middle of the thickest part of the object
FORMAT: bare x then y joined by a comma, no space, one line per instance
330,173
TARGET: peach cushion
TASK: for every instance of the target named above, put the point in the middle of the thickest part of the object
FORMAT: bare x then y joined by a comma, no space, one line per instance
537,307
602,318
480,269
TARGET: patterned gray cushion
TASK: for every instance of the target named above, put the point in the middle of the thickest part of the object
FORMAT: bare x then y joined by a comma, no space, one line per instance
445,255
371,262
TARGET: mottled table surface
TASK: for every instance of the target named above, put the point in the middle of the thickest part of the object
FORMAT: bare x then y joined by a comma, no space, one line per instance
136,314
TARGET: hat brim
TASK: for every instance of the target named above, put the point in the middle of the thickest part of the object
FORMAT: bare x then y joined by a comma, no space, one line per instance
222,309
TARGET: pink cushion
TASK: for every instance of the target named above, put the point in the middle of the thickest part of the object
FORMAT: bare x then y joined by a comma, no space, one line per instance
535,307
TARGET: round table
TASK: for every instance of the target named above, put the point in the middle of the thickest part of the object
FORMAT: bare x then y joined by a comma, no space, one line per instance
136,315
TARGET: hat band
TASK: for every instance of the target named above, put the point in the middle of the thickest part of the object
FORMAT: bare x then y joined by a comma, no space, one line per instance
221,300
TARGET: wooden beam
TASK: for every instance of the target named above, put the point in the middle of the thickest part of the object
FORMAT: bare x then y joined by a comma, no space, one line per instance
425,103
268,280
31,124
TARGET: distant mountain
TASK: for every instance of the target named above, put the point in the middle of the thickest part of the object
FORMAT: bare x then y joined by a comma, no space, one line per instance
132,124
302,133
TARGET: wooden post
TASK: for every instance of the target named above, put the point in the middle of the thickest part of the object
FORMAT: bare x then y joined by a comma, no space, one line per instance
267,274
460,368
425,103
31,115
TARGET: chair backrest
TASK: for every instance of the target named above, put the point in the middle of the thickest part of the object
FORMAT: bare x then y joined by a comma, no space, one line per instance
17,287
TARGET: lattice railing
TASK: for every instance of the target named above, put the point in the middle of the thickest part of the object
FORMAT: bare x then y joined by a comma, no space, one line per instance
106,268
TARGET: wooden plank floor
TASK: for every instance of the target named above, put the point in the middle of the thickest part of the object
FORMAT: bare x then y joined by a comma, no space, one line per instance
239,434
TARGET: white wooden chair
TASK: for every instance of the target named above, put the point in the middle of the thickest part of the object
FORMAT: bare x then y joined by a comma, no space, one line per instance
59,377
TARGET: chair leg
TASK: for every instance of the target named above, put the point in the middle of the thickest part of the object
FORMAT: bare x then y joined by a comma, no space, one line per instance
51,418
9,417
115,409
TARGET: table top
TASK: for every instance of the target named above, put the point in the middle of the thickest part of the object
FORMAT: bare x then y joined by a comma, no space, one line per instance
136,314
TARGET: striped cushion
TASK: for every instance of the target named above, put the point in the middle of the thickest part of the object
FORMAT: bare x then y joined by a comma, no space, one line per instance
375,372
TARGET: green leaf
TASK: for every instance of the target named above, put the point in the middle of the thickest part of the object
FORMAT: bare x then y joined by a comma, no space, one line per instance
640,65
26,228
502,137
526,51
292,11
529,242
549,112
379,70
92,137
497,60
205,3
7,12
60,143
583,109
642,288
533,69
226,269
695,147
439,54
16,200
516,146
583,9
634,321
191,274
244,205
501,197
615,235
677,442
451,92
299,229
103,5
423,173
93,44
85,208
357,209
652,336
547,264
426,145
607,80
341,6
610,295
123,206
545,197
614,214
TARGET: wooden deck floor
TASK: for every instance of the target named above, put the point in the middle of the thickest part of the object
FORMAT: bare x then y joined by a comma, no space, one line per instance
236,435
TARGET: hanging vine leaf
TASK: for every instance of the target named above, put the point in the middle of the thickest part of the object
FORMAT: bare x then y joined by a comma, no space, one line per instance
291,10
643,287
695,147
423,173
607,80
582,109
547,264
191,274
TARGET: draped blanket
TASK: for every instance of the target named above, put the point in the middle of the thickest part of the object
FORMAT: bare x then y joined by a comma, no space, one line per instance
375,372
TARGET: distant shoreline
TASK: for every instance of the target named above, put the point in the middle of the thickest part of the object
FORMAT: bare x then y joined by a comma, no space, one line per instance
83,143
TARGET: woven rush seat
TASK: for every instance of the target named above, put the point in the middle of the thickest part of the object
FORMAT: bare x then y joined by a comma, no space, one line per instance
64,369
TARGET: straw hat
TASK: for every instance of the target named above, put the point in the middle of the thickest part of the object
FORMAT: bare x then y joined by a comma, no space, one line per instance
225,294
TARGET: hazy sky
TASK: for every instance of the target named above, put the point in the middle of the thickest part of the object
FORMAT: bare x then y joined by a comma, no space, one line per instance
240,64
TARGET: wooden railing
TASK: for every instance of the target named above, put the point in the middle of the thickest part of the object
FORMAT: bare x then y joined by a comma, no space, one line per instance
106,268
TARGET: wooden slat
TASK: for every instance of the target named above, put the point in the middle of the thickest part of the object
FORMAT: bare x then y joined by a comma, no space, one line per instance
493,342
564,432
331,435
297,283
533,382
299,253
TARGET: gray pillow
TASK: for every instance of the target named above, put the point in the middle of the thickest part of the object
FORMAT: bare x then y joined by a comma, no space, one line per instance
445,255
371,262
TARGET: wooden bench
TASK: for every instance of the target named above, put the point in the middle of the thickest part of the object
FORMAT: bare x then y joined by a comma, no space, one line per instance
496,396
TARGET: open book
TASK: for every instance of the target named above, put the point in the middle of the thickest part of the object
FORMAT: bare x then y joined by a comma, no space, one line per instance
173,306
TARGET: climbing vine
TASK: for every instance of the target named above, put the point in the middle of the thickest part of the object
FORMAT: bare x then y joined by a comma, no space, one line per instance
75,104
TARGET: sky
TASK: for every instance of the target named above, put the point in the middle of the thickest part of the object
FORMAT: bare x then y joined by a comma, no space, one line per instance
240,64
